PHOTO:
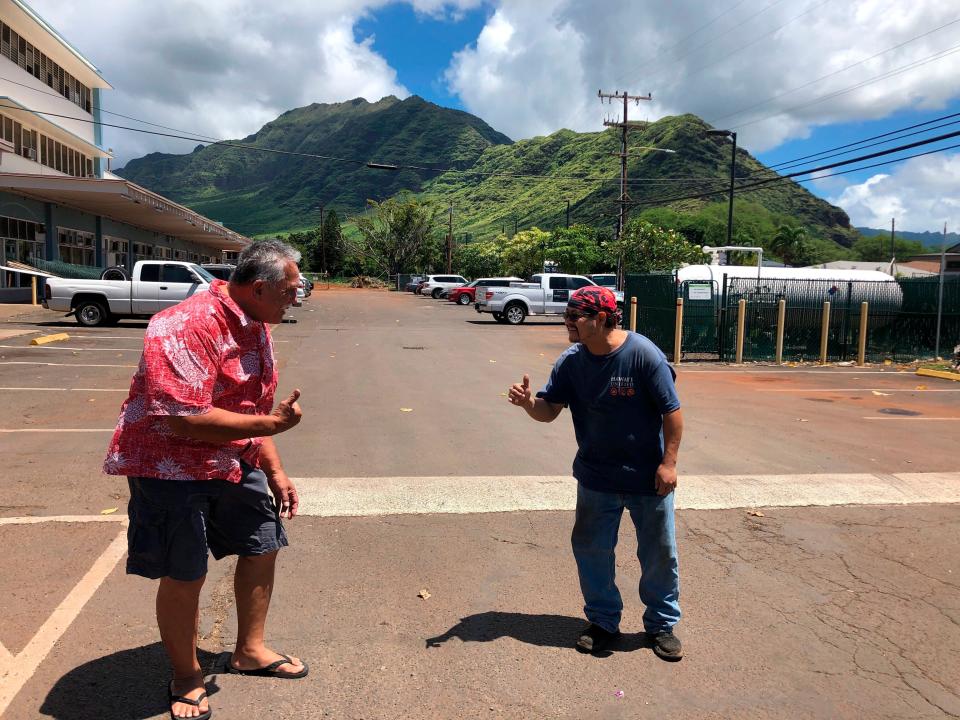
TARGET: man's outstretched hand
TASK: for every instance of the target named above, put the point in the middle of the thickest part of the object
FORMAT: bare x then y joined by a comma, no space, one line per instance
287,414
520,393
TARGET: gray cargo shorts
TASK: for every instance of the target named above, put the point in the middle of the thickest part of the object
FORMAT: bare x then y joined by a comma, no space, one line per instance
174,522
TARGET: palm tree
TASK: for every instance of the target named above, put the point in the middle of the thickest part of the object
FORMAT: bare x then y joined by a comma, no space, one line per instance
788,242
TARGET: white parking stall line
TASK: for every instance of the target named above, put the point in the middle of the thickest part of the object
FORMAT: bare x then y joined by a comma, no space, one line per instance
860,389
33,348
17,670
901,418
60,389
39,519
359,497
56,430
53,364
763,371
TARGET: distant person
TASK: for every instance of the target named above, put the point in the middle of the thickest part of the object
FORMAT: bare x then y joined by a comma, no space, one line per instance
195,440
626,415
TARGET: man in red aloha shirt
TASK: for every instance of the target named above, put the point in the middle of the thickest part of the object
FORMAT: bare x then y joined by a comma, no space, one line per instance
195,440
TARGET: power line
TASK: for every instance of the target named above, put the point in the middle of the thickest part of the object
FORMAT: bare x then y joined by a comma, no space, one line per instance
896,71
717,36
789,176
682,40
716,121
758,39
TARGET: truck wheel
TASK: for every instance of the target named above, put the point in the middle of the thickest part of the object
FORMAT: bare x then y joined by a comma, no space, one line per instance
498,316
436,293
92,313
463,299
515,314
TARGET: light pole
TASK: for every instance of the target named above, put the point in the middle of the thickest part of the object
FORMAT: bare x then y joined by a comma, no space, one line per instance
733,168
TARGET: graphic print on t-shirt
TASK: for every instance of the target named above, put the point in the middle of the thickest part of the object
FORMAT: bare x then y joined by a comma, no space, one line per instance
622,386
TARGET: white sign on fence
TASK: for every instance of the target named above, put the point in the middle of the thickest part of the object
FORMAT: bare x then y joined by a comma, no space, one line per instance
700,291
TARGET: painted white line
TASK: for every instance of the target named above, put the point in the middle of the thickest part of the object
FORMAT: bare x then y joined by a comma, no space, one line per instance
57,430
825,371
21,668
348,497
32,348
57,389
6,658
52,364
908,417
864,389
38,519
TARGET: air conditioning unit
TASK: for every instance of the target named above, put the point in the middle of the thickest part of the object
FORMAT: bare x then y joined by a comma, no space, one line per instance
30,153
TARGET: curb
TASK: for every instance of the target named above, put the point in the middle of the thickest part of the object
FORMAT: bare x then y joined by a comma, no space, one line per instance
44,339
942,374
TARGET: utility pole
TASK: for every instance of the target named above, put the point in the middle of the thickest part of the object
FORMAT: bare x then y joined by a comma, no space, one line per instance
624,126
893,225
943,267
450,242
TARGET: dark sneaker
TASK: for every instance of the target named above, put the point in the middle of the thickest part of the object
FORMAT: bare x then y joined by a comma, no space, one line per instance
666,645
594,638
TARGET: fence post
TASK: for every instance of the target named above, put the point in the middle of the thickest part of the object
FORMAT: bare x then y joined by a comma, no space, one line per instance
722,340
862,340
781,319
678,332
633,313
824,332
33,289
741,318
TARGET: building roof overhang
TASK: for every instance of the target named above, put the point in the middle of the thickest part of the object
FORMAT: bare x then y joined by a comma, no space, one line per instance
125,202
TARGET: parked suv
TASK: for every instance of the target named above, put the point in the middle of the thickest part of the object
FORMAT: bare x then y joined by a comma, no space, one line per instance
219,270
436,285
467,294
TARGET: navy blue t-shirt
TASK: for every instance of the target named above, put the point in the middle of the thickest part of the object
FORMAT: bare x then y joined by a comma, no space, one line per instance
618,402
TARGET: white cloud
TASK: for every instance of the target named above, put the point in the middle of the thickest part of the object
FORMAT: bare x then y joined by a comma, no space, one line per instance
223,68
920,194
537,66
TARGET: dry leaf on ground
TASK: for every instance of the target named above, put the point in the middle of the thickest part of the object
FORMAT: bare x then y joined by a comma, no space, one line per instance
108,511
423,594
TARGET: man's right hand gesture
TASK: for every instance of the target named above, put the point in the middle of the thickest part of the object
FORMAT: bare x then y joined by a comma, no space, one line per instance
287,413
520,394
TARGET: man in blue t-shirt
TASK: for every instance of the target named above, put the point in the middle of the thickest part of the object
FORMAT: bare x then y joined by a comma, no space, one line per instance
626,416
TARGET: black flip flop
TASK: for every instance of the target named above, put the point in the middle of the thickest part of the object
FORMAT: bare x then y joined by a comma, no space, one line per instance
270,670
171,698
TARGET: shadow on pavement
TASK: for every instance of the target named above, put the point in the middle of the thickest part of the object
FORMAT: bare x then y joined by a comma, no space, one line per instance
558,631
129,684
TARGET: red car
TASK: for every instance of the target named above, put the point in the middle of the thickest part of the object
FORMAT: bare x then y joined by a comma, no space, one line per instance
467,294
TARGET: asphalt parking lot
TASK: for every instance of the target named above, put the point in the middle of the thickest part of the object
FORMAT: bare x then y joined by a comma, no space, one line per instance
818,532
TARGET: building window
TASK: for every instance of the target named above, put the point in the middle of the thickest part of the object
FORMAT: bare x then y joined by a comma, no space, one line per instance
76,246
142,251
20,52
115,251
23,240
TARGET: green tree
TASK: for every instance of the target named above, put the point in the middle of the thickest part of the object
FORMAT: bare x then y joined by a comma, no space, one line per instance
523,254
788,243
576,249
303,241
398,235
647,248
877,248
481,258
327,246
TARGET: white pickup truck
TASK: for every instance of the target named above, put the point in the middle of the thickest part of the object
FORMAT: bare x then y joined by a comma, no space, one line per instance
545,294
155,286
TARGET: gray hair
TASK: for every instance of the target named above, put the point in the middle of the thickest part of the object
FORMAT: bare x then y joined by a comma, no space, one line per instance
264,260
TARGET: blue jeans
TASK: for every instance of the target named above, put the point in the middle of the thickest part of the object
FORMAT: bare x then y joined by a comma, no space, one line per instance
594,540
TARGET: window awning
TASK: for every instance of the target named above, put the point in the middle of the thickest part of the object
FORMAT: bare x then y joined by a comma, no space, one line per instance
125,202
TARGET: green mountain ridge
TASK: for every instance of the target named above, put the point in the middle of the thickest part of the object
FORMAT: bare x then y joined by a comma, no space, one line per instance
496,184
928,239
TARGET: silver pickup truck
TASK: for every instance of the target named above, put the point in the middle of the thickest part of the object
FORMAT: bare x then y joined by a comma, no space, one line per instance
154,286
545,294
